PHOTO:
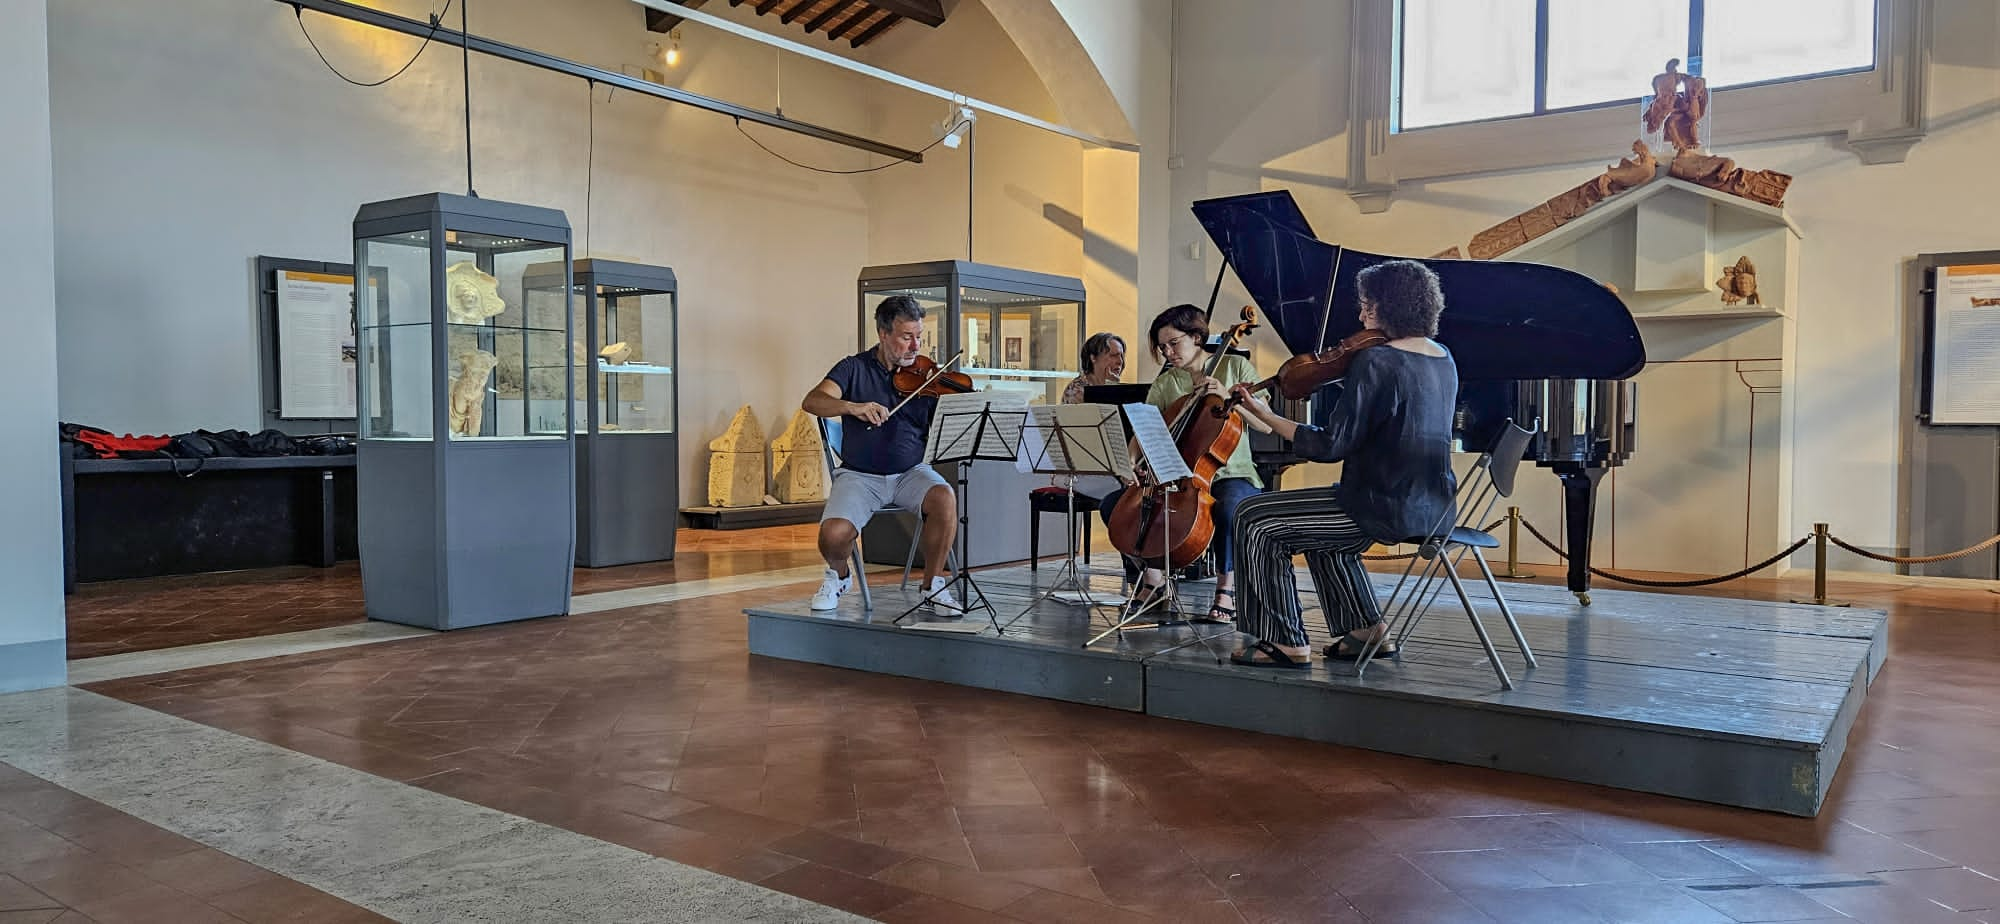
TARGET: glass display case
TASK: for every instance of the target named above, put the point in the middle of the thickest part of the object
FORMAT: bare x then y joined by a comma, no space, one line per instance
1020,331
466,472
628,455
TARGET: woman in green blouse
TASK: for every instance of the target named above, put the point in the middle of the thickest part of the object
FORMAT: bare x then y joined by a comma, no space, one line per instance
1176,337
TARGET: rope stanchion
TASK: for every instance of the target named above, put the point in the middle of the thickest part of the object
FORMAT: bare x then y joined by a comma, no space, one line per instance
1696,582
1514,546
1821,536
1916,559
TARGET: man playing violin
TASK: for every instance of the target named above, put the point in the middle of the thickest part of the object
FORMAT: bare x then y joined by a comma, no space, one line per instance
881,456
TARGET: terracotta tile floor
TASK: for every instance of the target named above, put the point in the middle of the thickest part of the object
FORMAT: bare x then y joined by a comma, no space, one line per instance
114,617
68,859
915,801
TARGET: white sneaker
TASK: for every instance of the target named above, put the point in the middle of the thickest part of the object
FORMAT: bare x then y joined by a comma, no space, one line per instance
830,588
942,602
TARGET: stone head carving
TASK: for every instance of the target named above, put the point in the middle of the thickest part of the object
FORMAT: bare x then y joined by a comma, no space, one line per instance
470,294
1739,283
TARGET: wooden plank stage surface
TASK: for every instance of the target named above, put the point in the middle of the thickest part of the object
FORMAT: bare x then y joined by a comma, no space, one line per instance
1735,701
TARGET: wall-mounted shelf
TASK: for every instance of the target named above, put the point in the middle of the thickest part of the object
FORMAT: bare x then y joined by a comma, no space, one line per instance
1717,314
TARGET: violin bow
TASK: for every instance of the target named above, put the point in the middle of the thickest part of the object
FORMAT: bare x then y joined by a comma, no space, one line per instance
938,373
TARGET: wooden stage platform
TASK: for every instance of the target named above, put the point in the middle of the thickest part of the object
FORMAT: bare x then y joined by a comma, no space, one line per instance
1739,702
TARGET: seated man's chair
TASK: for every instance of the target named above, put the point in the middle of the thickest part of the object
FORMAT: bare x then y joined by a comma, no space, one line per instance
829,437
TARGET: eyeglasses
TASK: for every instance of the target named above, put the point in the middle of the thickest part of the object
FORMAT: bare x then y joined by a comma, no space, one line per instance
1172,345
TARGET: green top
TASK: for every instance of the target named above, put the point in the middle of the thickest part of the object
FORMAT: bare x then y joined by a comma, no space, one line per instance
1234,371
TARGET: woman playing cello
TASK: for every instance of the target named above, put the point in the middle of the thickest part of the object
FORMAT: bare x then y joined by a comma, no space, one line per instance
1176,337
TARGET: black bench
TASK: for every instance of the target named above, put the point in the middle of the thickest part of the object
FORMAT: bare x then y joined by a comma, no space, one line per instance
130,518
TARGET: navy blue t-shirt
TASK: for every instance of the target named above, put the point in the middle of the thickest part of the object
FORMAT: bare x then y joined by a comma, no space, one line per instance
898,444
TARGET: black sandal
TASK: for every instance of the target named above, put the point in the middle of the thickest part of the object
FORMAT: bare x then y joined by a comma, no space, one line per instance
1273,657
1151,595
1339,652
1219,615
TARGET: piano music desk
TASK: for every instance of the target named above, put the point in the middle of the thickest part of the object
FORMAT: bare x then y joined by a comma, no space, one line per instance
1739,702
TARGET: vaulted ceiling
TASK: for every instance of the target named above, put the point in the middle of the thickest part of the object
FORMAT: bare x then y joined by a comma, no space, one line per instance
858,22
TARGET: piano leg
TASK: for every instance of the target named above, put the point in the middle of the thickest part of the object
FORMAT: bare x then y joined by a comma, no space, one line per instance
1579,514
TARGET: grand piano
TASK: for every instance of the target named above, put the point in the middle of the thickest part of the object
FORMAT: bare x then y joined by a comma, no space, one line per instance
1536,344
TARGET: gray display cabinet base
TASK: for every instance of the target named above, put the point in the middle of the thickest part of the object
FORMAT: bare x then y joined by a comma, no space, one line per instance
627,498
445,550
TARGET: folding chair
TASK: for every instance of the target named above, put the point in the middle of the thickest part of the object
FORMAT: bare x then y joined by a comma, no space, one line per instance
829,437
1491,478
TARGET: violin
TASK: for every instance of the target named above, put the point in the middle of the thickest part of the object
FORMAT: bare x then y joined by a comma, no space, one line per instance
1160,527
1306,373
928,378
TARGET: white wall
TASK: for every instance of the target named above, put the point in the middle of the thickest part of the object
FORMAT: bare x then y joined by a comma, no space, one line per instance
1107,66
1027,183
1263,105
31,602
217,136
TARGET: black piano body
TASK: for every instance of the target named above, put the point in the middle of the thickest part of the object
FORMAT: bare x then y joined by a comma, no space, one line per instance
1534,343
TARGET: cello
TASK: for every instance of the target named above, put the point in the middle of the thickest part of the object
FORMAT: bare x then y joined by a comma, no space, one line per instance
1176,526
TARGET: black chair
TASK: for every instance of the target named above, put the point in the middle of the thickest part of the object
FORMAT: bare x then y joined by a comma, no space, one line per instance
1491,478
829,439
1054,499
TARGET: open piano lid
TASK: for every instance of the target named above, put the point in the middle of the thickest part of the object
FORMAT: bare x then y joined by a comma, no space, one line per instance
1502,320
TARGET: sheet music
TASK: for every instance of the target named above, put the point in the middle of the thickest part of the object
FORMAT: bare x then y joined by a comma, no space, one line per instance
1149,430
956,431
1074,439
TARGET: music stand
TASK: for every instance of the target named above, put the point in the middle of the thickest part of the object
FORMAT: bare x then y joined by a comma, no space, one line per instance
965,429
1070,441
1169,470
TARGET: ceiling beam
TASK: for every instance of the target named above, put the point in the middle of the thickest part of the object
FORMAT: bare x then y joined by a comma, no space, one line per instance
445,35
878,28
860,16
765,6
658,21
928,12
813,24
795,11
814,51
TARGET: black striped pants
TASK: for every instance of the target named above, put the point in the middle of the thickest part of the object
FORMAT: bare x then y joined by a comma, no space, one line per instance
1270,529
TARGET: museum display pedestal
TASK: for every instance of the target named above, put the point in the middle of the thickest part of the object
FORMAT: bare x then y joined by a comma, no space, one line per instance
467,467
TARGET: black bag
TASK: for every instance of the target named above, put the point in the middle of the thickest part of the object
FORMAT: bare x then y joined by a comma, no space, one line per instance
325,444
270,443
197,445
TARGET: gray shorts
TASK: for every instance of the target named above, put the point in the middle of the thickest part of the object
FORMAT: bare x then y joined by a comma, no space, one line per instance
855,496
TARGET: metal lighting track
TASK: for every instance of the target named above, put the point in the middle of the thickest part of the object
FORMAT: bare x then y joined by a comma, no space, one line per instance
533,58
820,54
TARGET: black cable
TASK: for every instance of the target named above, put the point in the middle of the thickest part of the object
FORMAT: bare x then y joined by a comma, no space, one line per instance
437,18
465,59
893,163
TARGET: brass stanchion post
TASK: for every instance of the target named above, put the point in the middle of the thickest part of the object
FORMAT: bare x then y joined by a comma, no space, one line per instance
1820,535
1514,546
1819,563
